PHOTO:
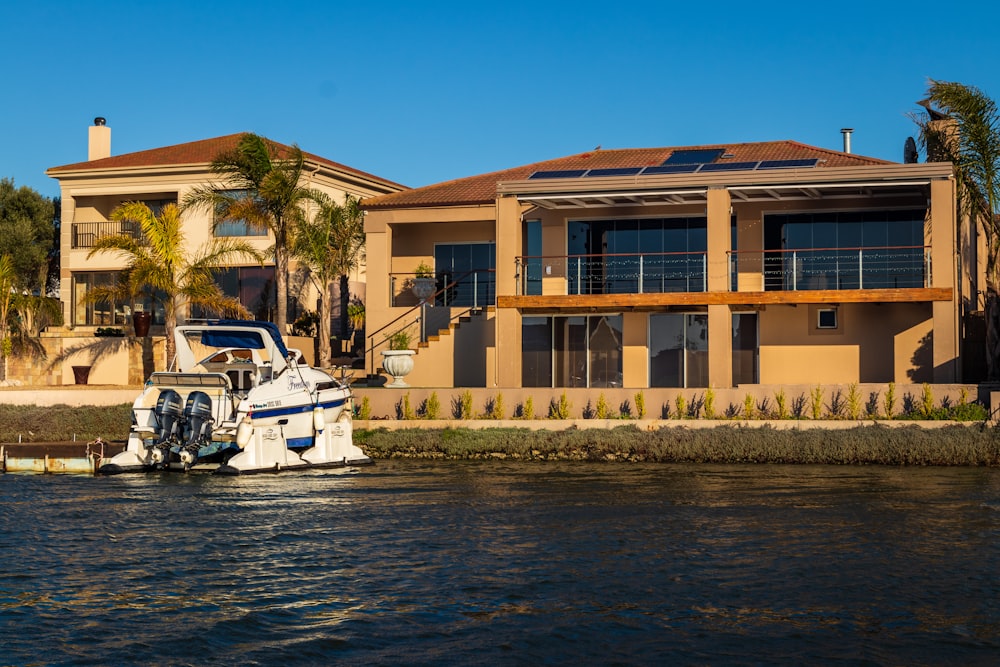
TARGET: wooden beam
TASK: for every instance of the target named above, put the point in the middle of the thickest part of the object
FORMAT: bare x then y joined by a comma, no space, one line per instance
610,302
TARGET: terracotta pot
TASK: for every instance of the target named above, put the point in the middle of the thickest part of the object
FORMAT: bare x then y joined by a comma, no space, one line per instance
141,322
81,374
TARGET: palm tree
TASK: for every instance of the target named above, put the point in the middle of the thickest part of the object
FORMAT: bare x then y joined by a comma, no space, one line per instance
264,192
963,126
330,245
349,241
8,294
22,315
157,263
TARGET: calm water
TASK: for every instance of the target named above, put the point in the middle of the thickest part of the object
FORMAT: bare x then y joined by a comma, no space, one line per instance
492,563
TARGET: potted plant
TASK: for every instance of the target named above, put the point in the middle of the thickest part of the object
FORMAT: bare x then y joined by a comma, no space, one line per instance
398,359
423,284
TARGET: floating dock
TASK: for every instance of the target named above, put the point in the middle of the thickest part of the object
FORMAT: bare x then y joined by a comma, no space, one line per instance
57,457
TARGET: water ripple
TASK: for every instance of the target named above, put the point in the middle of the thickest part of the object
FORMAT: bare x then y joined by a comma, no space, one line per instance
428,563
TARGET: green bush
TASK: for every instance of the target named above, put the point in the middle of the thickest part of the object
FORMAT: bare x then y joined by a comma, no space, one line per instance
432,407
560,409
889,403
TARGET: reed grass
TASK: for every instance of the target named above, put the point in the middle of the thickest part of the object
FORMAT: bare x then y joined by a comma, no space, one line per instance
62,422
865,445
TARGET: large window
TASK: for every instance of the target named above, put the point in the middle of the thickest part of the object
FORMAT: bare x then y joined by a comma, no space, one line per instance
745,349
235,227
252,285
111,312
846,250
532,269
575,351
472,266
678,350
631,256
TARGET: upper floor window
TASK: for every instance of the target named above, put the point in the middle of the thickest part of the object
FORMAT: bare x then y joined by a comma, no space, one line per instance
631,256
471,267
844,250
236,227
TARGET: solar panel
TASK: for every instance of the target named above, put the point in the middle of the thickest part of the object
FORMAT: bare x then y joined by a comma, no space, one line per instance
695,156
785,164
728,166
616,171
672,169
559,173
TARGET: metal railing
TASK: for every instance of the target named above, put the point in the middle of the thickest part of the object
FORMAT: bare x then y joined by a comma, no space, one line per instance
884,267
618,273
409,318
475,289
84,234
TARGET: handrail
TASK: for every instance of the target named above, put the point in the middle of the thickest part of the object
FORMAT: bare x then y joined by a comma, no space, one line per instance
612,254
370,348
843,249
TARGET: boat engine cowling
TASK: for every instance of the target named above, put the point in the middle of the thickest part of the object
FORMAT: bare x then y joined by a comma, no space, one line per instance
198,417
169,414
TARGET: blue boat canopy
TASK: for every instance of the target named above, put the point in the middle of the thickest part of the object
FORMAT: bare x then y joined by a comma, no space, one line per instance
249,339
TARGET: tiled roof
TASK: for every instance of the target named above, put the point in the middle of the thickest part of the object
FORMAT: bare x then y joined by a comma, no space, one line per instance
481,189
194,152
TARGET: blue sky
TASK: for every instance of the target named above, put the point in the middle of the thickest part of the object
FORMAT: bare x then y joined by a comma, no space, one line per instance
424,92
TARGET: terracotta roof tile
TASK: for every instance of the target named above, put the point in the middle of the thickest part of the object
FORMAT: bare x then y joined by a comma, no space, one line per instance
481,189
194,152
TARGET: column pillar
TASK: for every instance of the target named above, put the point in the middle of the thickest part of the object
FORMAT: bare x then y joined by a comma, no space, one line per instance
504,361
943,274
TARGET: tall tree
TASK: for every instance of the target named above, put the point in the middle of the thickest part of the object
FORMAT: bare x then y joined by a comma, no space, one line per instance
8,294
159,264
262,187
963,126
26,232
349,241
330,245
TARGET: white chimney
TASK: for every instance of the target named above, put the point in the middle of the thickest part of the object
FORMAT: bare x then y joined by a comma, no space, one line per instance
847,138
99,140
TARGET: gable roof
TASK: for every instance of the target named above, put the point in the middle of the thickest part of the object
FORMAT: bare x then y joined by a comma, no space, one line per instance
196,152
482,189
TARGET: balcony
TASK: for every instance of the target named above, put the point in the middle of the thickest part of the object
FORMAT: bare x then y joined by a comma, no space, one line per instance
880,268
641,281
639,273
84,234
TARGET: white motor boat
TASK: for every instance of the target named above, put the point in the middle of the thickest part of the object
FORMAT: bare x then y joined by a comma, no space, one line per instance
238,401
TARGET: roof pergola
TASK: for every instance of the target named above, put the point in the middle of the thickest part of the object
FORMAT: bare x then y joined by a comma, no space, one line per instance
905,180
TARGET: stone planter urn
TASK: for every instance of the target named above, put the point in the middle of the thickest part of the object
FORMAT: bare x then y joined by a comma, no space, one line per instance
397,363
423,288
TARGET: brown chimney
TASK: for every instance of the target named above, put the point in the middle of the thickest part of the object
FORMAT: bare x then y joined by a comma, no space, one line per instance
99,140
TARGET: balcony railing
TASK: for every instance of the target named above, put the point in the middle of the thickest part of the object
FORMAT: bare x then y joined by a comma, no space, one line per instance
85,233
473,289
619,273
887,267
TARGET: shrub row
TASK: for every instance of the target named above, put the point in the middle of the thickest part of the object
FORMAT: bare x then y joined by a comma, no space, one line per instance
817,405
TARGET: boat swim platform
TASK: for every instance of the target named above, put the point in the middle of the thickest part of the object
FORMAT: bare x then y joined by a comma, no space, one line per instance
57,457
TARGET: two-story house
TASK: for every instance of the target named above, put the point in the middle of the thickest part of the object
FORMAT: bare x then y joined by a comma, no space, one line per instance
91,190
708,266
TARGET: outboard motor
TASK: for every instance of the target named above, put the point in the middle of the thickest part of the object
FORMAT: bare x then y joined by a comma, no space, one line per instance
198,418
169,414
